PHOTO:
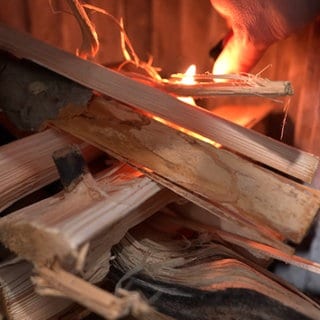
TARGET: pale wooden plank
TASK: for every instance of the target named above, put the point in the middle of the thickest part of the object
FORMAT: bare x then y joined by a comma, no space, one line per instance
235,85
199,172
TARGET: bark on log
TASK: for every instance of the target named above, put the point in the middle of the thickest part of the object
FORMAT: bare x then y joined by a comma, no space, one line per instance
30,94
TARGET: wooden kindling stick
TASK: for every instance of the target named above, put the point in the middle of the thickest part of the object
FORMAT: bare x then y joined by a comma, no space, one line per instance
57,282
209,85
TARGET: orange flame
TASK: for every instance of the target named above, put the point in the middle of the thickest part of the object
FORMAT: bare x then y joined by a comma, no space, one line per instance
186,131
188,78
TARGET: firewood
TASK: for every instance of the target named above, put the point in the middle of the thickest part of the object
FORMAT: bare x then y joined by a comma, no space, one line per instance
40,141
31,94
203,280
26,165
256,146
18,291
62,226
58,282
215,179
30,177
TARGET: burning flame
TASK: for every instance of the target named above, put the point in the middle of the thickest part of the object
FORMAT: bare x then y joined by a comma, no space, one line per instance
188,79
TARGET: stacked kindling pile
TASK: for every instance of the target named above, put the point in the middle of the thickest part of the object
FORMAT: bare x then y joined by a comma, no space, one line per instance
204,221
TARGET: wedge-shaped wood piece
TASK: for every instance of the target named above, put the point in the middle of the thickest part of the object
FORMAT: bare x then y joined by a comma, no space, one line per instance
256,146
237,187
241,85
26,165
63,226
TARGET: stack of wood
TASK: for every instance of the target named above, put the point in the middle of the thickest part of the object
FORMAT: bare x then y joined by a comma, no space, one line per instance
204,221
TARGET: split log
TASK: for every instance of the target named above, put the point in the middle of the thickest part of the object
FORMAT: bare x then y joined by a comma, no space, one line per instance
21,301
30,172
215,179
256,146
63,226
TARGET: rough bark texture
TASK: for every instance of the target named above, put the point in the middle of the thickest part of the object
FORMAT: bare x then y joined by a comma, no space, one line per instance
30,94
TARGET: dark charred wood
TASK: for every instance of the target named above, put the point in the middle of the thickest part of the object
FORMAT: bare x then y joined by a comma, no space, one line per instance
71,166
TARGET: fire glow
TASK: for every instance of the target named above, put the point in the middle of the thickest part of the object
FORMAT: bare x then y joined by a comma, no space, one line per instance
187,79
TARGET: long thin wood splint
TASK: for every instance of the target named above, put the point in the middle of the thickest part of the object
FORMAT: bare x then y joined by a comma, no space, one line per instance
57,282
256,146
196,170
